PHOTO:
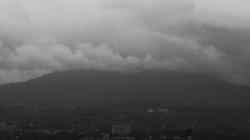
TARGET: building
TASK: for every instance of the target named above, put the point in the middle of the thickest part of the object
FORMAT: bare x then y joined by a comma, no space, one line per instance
3,127
177,135
151,110
119,129
170,135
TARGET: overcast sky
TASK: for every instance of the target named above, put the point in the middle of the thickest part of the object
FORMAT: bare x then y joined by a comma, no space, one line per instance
203,36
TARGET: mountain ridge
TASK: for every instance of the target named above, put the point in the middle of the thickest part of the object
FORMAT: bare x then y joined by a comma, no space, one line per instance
93,87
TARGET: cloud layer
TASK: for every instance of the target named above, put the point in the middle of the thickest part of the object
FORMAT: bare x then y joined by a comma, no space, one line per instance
41,36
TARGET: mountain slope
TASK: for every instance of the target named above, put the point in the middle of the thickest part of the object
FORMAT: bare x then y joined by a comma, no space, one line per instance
79,87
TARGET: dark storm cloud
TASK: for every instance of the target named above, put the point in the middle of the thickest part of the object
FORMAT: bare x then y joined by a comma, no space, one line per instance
40,36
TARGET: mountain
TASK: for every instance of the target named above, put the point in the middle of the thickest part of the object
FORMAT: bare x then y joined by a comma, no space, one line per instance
85,88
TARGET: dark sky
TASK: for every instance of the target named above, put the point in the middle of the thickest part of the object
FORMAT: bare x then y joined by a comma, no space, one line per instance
203,36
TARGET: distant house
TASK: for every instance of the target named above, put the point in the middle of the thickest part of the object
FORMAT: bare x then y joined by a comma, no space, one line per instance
177,135
3,127
151,110
119,129
171,135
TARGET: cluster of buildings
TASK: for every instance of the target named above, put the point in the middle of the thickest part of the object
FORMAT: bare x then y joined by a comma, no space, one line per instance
153,110
124,132
118,132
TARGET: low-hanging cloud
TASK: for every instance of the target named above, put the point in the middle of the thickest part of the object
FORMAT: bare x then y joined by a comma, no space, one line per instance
41,36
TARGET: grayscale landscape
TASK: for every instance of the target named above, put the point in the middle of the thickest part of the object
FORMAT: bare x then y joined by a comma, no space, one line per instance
124,70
